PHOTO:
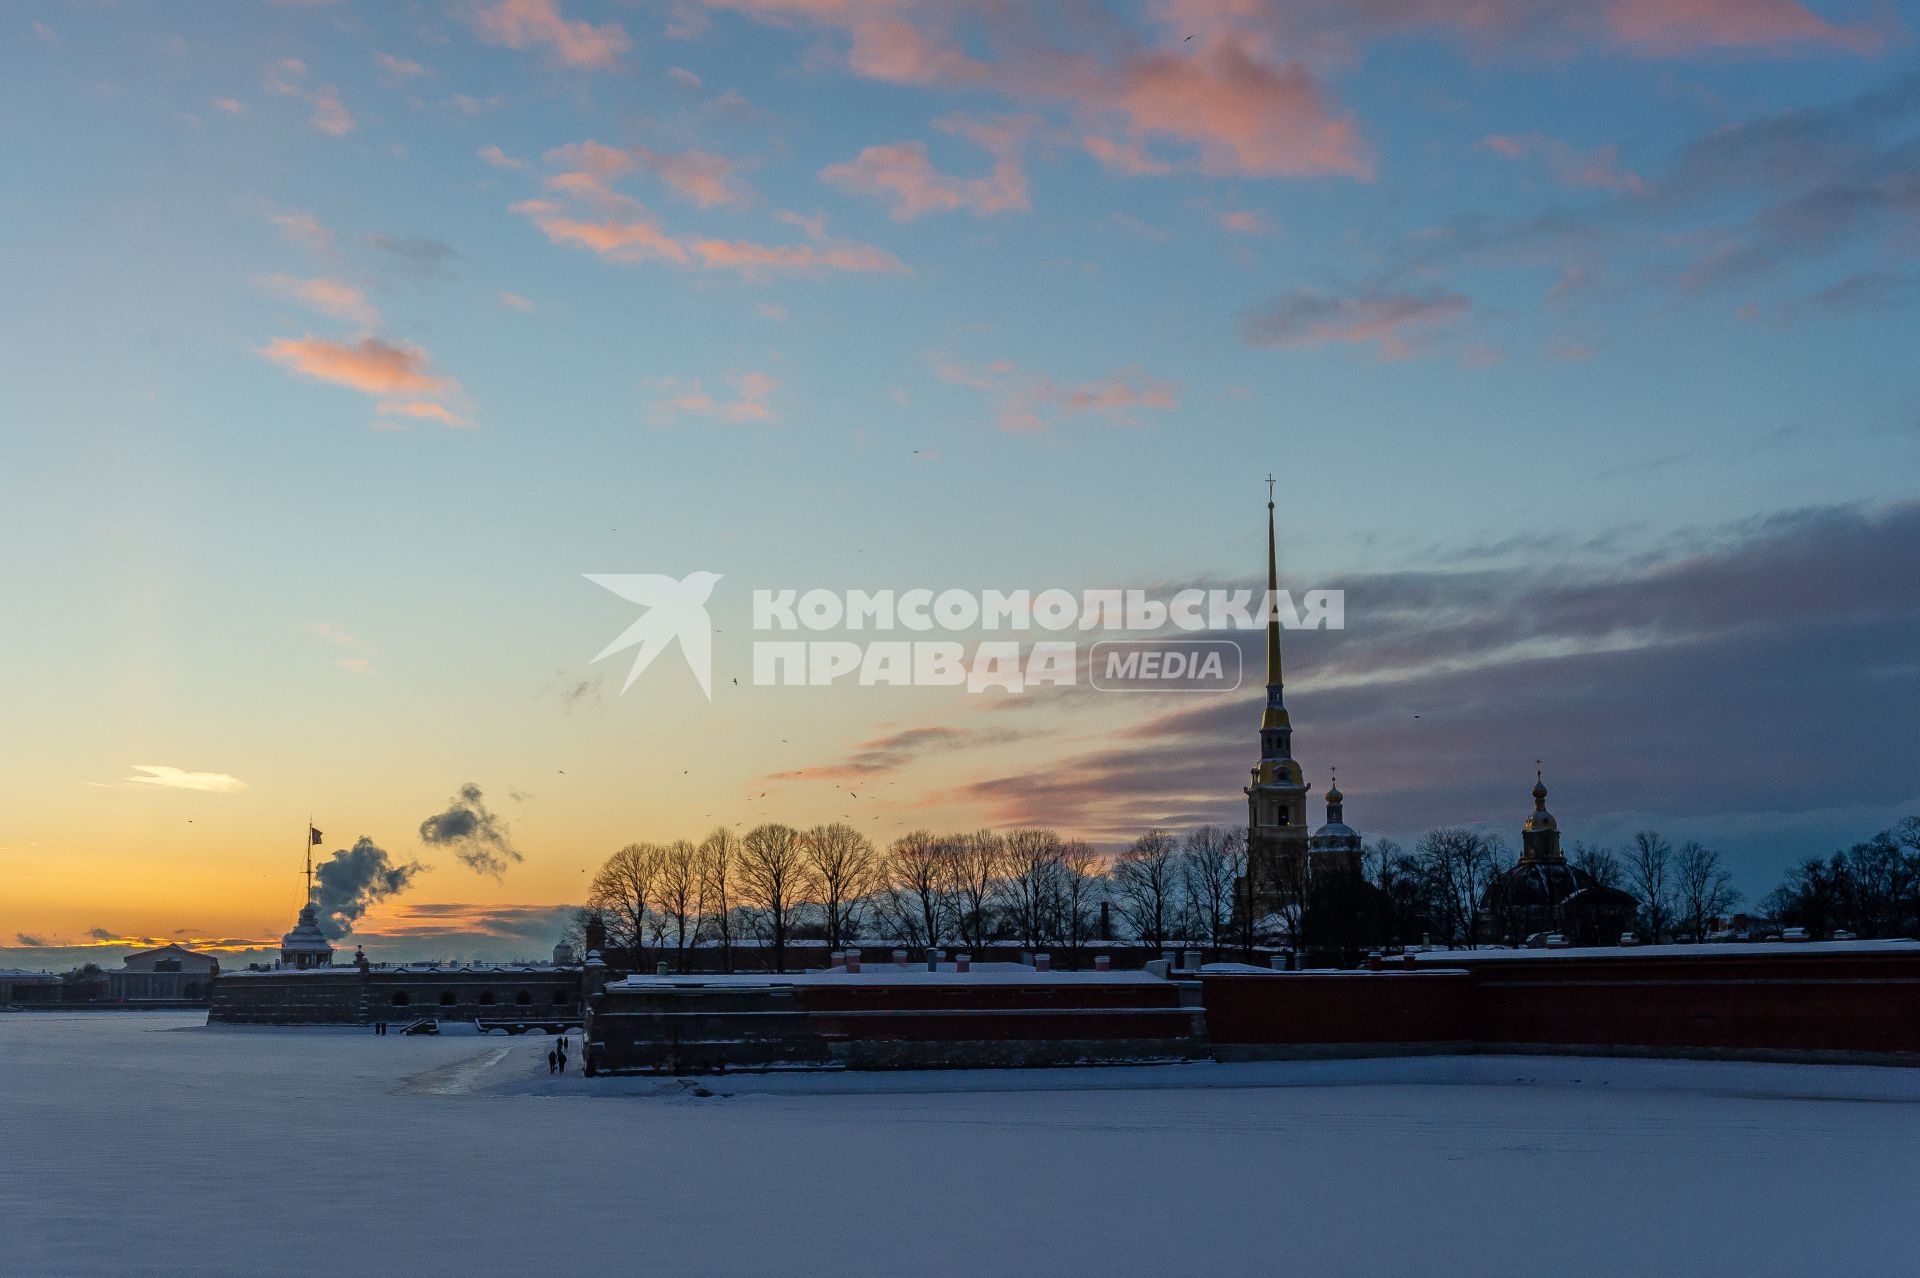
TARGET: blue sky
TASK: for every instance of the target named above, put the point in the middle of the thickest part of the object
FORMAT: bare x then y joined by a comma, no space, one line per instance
334,355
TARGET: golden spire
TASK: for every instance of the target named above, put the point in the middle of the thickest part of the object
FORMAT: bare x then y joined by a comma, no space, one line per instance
1273,593
1275,715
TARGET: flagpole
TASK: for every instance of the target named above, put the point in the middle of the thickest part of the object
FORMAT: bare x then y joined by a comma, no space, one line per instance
309,858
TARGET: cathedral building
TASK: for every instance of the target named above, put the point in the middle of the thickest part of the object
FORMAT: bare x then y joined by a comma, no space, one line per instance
1542,892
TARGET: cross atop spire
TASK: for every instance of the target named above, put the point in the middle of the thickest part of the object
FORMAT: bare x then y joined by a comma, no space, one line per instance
1270,483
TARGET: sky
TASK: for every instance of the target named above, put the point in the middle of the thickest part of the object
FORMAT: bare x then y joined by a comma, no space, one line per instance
341,341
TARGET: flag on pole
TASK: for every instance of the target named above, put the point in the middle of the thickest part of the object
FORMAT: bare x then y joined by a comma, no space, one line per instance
313,836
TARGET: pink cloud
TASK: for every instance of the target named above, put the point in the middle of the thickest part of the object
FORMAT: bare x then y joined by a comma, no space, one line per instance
902,172
399,374
499,159
421,410
701,176
303,228
371,364
751,392
526,24
327,296
622,229
1246,222
1599,169
1678,26
1246,115
1397,322
1027,403
1127,157
619,240
1245,111
330,116
400,68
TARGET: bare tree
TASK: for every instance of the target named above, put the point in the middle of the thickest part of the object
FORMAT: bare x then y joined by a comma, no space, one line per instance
916,899
1599,864
622,894
840,873
771,874
1705,888
718,853
679,895
977,862
1146,878
1031,862
1083,884
1211,861
1458,866
1650,871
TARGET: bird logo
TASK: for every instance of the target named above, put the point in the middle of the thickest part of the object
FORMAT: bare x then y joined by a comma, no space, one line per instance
675,609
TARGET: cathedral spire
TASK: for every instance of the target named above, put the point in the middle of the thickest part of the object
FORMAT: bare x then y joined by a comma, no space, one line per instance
1276,729
1273,593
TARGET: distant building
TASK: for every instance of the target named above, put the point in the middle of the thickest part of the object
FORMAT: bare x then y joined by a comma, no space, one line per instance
19,987
170,974
1543,893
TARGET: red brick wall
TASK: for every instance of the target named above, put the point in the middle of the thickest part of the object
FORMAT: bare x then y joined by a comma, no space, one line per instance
1722,1000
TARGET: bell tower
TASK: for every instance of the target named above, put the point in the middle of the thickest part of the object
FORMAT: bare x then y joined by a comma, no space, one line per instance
1277,798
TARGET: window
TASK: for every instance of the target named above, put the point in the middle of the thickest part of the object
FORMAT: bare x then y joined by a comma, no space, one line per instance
562,997
446,998
486,998
401,999
166,965
523,998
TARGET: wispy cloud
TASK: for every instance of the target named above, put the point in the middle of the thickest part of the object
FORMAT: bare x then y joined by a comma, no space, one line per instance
327,296
163,777
586,211
400,374
902,173
330,116
1027,402
1398,323
690,398
1599,169
400,68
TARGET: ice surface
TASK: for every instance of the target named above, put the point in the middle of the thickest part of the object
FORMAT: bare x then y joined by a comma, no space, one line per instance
143,1143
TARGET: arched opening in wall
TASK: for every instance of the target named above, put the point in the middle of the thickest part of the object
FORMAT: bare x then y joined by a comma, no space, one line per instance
446,998
486,998
402,998
523,998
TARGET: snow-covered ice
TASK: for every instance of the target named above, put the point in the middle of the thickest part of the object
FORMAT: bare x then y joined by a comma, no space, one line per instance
146,1143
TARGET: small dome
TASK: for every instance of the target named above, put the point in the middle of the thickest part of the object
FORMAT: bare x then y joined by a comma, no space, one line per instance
1539,790
1333,793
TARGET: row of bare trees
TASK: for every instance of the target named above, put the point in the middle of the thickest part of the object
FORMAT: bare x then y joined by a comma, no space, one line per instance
1032,887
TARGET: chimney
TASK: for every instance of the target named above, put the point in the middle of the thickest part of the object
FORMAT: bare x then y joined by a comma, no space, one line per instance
899,958
852,958
963,962
1102,963
1043,962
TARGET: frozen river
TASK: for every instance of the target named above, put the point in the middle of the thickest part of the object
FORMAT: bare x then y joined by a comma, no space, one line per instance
147,1143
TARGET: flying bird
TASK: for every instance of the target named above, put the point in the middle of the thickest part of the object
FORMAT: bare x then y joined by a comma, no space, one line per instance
674,610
